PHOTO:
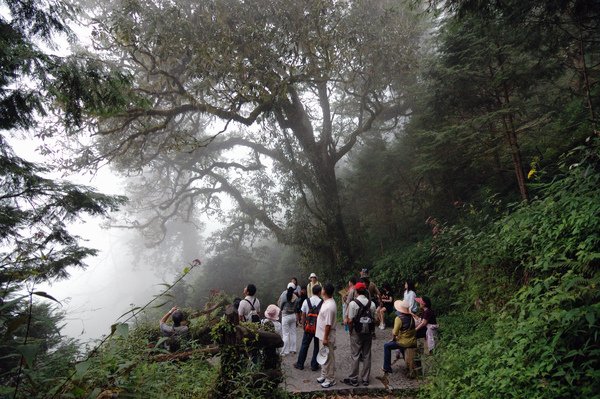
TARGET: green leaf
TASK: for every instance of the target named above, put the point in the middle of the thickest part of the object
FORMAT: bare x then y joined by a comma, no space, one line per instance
591,318
129,311
29,352
47,296
81,369
122,330
15,323
95,393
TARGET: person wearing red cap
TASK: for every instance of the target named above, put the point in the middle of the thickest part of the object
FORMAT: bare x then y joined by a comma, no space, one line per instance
361,336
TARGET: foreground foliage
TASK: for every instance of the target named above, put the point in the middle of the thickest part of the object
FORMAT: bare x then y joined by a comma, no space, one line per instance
536,270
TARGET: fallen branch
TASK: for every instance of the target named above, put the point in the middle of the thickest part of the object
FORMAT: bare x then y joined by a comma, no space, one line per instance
182,356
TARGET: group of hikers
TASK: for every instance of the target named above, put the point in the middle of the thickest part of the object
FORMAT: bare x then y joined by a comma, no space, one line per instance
313,307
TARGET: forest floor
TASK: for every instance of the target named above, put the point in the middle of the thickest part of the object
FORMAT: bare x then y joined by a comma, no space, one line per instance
380,384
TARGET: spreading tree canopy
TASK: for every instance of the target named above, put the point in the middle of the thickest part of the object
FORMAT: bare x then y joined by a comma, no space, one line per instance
287,87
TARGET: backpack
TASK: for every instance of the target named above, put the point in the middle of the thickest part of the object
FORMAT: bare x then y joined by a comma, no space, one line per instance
172,340
363,322
254,317
310,324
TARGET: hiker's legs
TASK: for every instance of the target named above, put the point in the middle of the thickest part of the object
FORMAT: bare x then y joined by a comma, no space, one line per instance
313,362
366,356
355,346
387,354
287,323
306,338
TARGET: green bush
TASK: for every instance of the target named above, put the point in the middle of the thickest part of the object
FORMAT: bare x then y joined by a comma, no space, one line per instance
536,271
398,265
544,344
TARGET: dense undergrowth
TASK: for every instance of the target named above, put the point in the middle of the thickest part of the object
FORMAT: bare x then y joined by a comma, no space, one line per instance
525,297
517,291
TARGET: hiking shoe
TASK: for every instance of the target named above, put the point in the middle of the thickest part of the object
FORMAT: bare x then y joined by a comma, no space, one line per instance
387,371
328,384
321,380
352,382
297,366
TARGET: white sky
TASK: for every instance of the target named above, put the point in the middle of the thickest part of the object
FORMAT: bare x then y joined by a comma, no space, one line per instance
94,297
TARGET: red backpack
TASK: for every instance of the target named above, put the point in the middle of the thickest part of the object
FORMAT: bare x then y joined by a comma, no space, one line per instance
310,324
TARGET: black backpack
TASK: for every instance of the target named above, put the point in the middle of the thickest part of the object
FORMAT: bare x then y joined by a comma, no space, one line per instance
363,322
254,317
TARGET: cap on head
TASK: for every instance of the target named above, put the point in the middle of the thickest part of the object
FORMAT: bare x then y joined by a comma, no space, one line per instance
360,286
291,285
312,275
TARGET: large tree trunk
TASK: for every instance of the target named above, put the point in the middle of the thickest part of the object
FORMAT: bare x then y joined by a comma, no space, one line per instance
341,253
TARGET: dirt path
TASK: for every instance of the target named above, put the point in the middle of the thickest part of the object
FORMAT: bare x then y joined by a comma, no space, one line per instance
305,380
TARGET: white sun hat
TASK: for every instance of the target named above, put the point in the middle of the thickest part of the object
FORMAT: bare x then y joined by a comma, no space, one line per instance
322,356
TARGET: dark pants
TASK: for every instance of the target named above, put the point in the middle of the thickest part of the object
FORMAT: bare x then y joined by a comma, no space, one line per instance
387,354
304,350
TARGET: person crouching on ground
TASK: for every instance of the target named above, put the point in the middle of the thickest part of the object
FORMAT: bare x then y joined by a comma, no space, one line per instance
361,336
325,332
404,335
178,329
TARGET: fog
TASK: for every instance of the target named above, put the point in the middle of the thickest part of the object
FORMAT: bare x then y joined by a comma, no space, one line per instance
94,297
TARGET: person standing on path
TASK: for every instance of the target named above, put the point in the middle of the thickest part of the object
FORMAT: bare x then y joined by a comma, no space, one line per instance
312,282
249,307
325,332
361,336
302,297
310,307
287,304
374,294
349,297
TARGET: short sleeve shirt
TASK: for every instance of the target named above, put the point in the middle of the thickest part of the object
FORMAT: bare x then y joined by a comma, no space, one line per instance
429,315
244,308
168,330
326,317
286,307
314,301
353,307
410,297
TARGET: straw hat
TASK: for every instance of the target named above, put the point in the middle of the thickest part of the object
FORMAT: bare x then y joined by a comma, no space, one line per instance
272,312
401,306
